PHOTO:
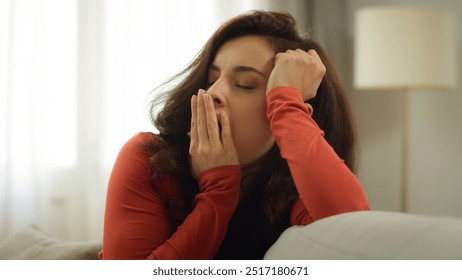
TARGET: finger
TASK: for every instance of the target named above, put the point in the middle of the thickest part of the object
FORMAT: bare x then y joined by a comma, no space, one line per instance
202,134
318,59
193,134
276,58
226,136
309,55
315,56
212,123
292,53
314,53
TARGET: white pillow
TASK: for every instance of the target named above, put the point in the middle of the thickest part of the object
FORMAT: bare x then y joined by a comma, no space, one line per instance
34,244
372,235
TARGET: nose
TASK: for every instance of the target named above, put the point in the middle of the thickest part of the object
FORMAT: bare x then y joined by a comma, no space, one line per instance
216,100
217,92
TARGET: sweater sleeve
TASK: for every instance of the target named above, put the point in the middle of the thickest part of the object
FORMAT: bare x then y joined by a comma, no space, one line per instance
326,186
136,224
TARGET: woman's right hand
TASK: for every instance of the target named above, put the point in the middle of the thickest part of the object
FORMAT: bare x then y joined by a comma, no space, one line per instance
209,147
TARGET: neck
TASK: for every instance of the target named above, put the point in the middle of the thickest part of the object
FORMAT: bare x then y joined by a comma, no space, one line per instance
249,169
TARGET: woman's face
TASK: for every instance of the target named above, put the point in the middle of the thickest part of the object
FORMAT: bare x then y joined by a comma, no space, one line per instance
237,81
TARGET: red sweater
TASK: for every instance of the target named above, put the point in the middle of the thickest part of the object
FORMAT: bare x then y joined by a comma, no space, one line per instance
137,224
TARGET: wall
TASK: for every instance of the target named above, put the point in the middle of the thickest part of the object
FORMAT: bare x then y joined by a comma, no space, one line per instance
435,136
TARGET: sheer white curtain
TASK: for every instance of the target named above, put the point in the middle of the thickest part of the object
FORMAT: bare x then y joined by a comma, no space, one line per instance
75,78
38,113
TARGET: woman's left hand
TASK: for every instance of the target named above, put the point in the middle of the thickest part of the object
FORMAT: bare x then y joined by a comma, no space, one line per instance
297,69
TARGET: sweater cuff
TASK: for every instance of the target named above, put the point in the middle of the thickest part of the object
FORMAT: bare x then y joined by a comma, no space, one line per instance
285,90
219,172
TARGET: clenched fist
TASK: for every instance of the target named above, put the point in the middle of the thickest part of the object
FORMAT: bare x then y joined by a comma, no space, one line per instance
298,69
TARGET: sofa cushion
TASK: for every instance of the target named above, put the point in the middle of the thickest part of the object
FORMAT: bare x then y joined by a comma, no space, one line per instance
372,235
33,243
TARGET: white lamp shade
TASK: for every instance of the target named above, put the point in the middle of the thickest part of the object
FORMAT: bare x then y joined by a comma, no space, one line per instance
404,47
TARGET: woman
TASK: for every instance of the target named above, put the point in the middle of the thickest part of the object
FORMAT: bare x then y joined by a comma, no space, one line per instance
239,157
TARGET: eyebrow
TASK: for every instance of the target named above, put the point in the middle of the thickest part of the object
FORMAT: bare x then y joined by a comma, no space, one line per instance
239,69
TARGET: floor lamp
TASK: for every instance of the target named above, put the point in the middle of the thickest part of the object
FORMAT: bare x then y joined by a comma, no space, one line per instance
404,48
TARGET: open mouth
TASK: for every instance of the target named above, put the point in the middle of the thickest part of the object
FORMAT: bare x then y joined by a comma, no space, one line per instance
219,126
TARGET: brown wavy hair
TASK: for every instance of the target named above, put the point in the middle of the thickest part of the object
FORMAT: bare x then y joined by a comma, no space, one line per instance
272,188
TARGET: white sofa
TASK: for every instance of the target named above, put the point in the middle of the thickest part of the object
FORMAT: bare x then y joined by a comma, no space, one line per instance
33,243
372,235
357,235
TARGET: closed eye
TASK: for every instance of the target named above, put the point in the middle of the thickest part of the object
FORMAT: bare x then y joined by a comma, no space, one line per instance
244,87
